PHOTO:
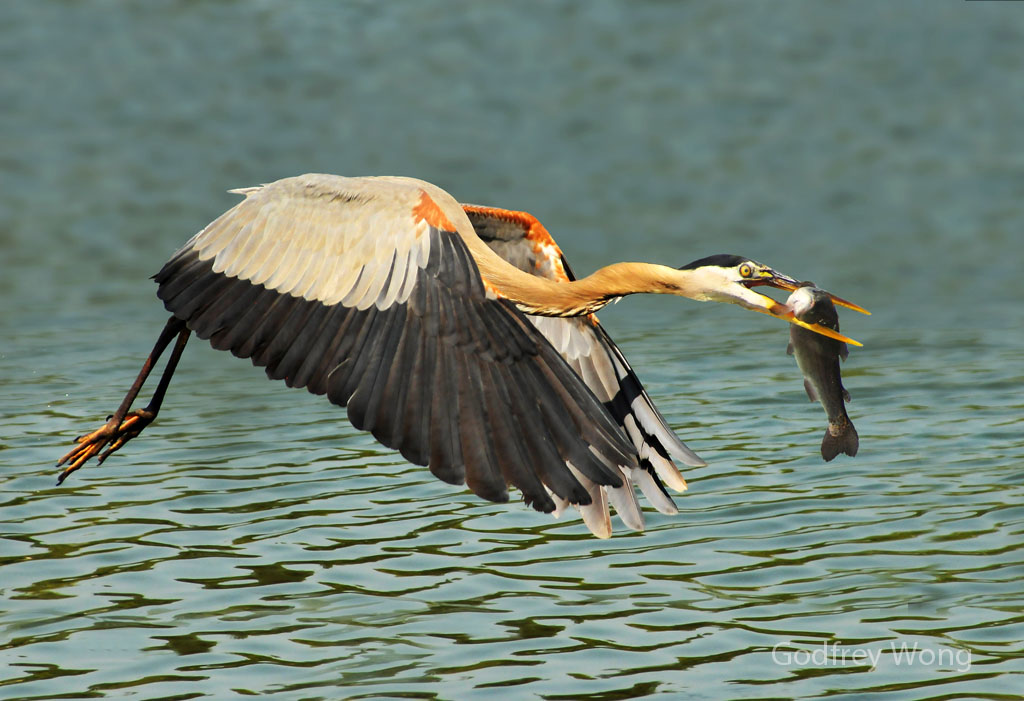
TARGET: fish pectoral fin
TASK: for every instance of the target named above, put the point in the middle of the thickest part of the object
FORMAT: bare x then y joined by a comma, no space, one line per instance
789,348
846,394
844,351
809,388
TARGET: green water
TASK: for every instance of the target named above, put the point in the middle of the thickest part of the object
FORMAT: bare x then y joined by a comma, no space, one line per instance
253,543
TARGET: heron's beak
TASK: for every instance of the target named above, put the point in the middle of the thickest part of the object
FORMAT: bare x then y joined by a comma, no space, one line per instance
774,278
766,305
781,311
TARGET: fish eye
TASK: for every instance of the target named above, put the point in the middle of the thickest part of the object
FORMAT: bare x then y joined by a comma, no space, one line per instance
746,270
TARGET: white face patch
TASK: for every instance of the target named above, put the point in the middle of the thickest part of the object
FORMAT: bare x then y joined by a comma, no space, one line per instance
712,284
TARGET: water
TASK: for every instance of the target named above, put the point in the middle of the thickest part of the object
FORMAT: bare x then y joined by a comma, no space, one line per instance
252,542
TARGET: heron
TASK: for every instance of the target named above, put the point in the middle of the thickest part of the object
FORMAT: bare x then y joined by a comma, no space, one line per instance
455,334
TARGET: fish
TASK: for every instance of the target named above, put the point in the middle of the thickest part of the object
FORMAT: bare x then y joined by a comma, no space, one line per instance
818,358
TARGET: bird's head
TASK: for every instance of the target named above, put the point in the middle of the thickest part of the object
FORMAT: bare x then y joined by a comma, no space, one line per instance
729,278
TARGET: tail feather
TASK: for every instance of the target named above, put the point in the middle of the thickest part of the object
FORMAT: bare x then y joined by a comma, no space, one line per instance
840,437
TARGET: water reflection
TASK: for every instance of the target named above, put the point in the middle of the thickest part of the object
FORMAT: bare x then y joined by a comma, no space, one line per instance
254,543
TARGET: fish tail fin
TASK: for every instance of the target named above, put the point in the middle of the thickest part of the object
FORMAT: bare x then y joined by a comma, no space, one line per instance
839,438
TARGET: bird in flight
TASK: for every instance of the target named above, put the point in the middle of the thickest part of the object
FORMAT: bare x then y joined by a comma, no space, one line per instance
455,334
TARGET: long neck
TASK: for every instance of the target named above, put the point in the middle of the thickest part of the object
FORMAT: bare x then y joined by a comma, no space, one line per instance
544,297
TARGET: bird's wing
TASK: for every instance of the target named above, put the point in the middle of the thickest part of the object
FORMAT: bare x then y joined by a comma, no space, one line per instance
522,240
361,289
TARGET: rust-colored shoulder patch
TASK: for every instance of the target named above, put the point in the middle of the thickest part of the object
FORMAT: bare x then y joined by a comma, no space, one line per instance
548,254
426,210
532,228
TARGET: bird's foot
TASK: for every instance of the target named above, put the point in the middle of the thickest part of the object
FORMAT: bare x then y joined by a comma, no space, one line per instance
110,433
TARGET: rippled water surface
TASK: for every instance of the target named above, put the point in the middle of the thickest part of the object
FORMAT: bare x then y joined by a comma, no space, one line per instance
253,543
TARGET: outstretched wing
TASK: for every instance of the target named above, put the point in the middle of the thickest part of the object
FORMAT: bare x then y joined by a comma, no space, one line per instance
524,242
362,289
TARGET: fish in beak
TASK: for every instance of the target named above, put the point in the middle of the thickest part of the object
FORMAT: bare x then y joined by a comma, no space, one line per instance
730,278
774,278
766,305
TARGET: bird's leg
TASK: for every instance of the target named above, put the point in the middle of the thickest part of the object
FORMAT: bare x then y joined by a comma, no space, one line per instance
124,425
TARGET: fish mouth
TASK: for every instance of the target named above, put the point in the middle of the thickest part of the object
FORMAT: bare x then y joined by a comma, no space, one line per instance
773,278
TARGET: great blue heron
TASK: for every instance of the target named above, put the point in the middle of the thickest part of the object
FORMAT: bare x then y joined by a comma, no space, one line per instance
455,334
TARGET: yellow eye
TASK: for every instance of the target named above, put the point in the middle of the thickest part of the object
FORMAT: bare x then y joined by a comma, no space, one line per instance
746,270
